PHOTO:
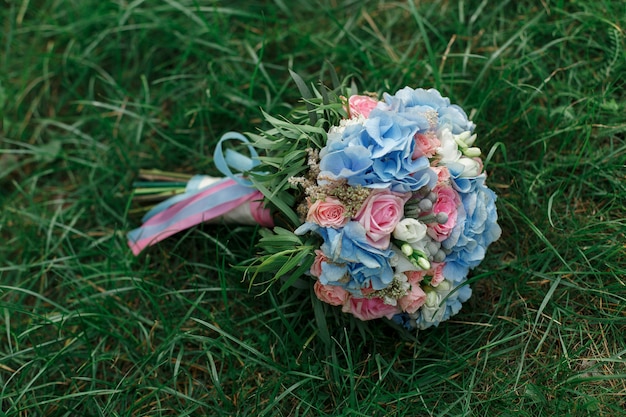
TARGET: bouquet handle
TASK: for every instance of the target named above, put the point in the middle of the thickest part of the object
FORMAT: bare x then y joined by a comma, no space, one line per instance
232,199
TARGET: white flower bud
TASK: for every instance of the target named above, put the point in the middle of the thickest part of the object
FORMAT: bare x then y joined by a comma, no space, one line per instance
472,152
423,263
432,299
465,139
444,286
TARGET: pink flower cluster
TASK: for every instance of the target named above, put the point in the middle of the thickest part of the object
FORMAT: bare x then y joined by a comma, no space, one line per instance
375,307
379,215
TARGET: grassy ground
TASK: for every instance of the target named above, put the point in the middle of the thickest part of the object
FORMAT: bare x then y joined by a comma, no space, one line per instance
91,91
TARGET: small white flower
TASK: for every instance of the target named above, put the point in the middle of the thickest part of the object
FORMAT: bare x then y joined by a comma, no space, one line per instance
402,282
402,263
449,149
343,123
432,311
390,301
471,167
409,230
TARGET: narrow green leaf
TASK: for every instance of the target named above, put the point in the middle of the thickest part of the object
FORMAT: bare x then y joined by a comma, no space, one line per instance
306,94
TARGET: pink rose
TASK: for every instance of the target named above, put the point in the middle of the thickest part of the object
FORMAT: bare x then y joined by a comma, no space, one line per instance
331,294
426,145
329,212
415,277
361,105
415,298
316,268
369,308
447,202
443,174
436,270
380,214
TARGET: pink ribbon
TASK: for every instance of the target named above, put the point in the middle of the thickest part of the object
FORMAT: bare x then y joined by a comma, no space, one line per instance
208,204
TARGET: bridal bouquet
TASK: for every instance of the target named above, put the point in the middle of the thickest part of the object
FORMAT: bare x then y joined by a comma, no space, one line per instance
380,204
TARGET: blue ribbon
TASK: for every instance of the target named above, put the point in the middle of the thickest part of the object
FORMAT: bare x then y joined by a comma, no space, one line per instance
225,160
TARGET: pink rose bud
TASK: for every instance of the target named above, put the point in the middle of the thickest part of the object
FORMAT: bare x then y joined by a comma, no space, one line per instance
316,268
447,202
370,308
415,277
331,294
411,302
361,105
426,145
443,174
437,274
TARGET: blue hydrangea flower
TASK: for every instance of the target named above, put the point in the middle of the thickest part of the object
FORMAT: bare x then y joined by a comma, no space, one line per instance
350,256
377,153
477,227
351,162
387,132
414,104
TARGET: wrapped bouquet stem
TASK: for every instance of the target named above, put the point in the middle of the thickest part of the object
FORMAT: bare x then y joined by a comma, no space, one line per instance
203,199
380,203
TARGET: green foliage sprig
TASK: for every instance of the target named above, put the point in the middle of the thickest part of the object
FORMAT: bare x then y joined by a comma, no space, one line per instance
284,148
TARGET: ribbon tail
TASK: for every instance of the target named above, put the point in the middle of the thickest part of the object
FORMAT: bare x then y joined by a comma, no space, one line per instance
208,204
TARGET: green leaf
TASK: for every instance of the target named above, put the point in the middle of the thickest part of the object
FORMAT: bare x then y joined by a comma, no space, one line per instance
306,94
320,318
304,266
277,202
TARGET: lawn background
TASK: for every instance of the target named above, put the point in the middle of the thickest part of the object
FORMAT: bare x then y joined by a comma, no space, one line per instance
93,90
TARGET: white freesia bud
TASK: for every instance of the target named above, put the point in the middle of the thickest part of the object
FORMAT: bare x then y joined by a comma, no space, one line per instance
472,152
459,141
465,139
407,250
409,230
402,262
423,263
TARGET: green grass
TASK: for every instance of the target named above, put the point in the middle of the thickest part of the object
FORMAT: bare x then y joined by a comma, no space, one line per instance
91,91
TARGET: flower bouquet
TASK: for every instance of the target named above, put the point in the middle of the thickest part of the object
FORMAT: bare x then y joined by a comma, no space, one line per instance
380,205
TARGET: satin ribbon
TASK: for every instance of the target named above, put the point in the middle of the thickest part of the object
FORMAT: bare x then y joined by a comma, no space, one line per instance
205,198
